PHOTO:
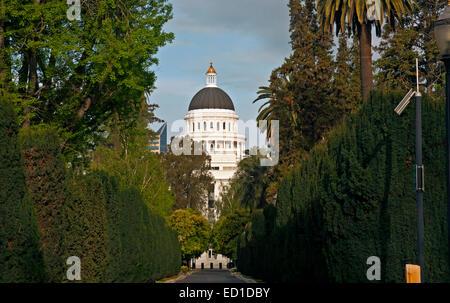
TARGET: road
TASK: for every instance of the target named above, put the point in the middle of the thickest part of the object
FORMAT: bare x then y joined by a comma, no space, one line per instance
211,276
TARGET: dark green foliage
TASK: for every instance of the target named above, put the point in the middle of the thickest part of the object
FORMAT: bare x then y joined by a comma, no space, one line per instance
353,197
399,48
189,177
346,78
46,181
226,231
115,235
85,226
90,216
247,187
20,255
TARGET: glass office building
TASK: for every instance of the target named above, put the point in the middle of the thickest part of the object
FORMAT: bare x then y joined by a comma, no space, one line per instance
159,142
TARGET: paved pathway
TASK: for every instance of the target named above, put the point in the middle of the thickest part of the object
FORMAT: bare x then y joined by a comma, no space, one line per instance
211,276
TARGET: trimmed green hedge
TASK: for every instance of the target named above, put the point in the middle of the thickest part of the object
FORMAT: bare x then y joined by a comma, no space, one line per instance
353,197
116,236
46,181
20,256
111,229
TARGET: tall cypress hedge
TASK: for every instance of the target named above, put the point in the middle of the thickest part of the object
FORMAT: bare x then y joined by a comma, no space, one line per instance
111,230
115,235
46,180
353,197
85,226
20,255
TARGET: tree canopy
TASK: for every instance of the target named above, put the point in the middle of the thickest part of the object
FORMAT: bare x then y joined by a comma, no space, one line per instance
226,232
190,178
79,76
193,232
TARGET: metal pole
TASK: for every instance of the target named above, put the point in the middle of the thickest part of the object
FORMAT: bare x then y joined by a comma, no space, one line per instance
419,184
446,60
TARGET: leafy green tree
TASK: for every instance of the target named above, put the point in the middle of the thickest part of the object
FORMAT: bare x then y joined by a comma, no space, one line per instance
300,91
399,48
20,251
346,86
247,187
193,232
226,231
126,155
397,64
354,16
190,178
79,76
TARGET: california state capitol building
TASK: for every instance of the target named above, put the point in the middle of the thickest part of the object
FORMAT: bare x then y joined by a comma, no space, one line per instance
211,119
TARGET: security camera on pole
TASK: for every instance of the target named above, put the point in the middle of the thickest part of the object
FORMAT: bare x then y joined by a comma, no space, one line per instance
419,166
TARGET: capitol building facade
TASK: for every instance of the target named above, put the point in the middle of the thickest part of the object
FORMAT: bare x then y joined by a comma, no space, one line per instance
211,120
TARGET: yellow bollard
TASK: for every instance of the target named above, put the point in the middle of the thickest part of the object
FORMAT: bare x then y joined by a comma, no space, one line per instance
412,273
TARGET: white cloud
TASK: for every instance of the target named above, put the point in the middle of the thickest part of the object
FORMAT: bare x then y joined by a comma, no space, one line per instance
263,19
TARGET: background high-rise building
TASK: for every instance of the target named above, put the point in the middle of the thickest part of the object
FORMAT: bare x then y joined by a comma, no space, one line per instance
159,142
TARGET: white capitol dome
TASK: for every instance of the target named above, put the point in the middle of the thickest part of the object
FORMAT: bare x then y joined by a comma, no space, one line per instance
211,119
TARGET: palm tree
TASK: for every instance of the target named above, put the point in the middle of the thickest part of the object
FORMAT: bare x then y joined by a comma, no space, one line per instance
359,16
277,100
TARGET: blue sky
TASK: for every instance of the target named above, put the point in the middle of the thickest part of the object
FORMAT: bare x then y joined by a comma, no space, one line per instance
245,39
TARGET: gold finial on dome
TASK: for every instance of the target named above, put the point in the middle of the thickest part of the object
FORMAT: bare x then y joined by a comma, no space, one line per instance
211,68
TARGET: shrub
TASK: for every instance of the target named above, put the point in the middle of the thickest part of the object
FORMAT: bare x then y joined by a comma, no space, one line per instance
184,269
46,181
20,255
353,197
116,236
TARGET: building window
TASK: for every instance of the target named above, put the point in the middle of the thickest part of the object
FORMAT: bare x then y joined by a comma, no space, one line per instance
224,126
218,125
209,253
211,125
193,127
229,126
198,125
204,126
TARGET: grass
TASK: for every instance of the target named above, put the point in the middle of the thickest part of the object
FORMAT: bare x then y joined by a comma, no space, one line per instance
234,269
165,279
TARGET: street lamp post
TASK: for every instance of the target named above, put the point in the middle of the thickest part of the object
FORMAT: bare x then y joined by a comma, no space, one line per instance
419,168
442,35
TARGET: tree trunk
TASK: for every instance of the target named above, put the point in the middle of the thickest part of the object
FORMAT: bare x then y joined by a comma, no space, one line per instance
365,46
32,84
115,134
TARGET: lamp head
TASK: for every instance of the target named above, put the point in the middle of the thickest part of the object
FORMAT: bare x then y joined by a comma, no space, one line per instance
442,32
